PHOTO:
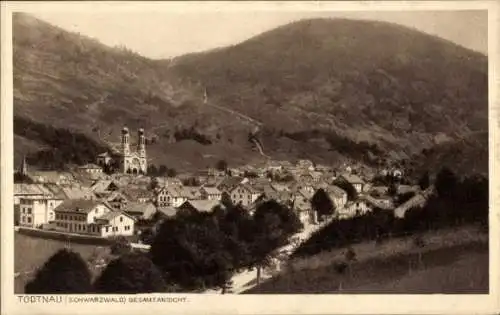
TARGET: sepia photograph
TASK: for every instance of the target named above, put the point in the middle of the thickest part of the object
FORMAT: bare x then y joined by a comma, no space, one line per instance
248,152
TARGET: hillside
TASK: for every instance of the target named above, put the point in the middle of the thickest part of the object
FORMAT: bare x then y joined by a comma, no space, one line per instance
317,89
367,80
468,155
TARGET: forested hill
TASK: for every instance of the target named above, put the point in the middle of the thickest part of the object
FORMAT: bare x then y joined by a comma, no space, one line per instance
382,89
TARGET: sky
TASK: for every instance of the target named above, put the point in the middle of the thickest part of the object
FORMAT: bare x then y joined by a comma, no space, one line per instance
164,34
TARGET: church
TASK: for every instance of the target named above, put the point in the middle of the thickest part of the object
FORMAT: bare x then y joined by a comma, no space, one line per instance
128,162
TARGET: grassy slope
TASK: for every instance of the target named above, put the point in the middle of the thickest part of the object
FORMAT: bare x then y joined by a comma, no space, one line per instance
402,92
453,262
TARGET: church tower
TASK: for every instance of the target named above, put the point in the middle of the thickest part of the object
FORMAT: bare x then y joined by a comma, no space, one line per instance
125,145
141,145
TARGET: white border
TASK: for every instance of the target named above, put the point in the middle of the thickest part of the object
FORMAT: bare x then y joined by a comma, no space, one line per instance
261,304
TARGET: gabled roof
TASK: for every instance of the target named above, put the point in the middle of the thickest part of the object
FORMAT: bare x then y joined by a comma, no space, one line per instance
90,166
137,207
137,193
102,185
352,178
104,154
113,214
230,182
336,191
211,190
167,211
116,195
32,189
77,192
50,176
189,192
78,206
249,188
201,205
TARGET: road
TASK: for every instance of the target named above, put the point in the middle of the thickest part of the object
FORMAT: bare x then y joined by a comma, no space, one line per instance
247,279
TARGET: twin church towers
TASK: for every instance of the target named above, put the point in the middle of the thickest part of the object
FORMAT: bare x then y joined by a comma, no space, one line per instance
133,162
126,160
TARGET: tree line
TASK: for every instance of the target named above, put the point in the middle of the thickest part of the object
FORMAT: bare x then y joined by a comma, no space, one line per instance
66,147
456,202
191,251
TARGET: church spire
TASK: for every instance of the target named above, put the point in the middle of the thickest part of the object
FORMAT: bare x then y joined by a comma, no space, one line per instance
24,167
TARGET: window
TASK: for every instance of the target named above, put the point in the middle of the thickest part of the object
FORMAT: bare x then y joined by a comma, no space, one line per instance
29,219
121,219
29,210
107,229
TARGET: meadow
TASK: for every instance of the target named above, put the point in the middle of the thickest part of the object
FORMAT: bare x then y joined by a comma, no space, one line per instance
451,262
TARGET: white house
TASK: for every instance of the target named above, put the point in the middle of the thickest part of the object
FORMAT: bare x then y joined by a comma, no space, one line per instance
354,180
170,196
244,194
210,193
90,169
93,218
34,205
337,195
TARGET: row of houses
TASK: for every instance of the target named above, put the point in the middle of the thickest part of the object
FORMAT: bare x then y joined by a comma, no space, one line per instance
91,202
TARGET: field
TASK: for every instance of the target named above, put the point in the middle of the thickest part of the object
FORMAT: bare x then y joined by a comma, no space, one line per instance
440,267
31,253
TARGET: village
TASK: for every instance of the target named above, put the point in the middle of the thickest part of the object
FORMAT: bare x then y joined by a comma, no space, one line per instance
87,201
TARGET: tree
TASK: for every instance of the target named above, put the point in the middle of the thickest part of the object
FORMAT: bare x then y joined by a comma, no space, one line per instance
190,251
171,172
162,170
129,274
64,272
352,194
424,181
322,203
393,189
221,165
446,183
274,224
120,246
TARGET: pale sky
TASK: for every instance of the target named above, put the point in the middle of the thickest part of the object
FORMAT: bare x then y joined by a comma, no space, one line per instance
163,34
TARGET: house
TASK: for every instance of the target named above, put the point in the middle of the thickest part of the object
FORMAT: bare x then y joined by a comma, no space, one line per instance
90,169
138,195
210,193
78,192
354,180
51,177
353,208
166,212
384,203
190,192
104,187
230,182
92,217
302,206
140,210
337,195
170,196
199,205
104,159
244,194
305,165
34,205
117,200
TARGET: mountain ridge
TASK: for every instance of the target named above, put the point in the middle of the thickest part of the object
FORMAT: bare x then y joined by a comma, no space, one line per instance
364,97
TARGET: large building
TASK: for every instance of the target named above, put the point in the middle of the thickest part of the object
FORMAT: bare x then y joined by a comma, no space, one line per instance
92,217
34,205
128,162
